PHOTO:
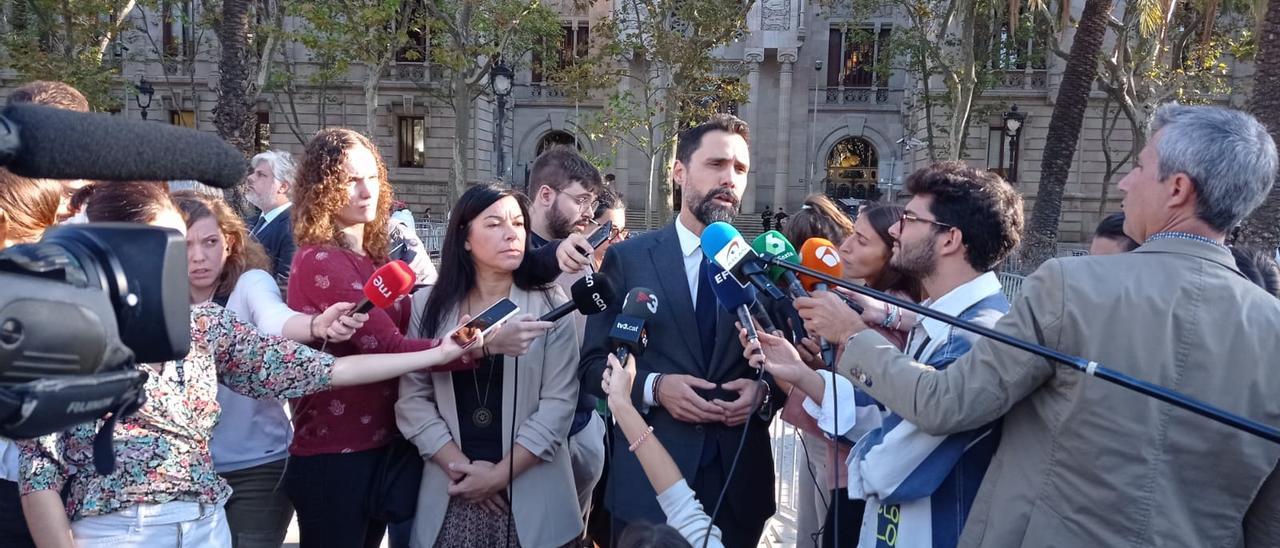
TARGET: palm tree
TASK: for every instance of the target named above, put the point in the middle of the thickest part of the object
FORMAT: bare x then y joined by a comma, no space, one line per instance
233,114
1262,228
1041,240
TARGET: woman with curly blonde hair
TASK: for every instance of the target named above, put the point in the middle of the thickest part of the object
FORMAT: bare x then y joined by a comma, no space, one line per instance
342,206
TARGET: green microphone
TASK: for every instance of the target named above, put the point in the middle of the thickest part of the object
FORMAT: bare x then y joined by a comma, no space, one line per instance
774,243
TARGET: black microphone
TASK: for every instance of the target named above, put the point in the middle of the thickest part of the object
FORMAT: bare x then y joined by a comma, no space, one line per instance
628,334
762,317
592,294
44,142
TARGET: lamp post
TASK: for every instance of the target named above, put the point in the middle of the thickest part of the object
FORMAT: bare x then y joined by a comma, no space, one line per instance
813,127
144,89
500,78
1013,121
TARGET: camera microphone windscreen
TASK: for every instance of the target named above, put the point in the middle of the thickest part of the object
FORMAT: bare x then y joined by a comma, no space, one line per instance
390,282
49,143
591,294
821,255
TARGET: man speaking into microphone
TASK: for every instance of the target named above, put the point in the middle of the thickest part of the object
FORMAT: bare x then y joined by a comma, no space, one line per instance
1085,463
694,385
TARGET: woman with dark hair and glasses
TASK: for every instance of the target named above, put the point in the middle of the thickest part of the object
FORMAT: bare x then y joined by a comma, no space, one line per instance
499,471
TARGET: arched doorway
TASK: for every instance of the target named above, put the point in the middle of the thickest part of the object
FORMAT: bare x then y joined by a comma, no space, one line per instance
556,138
852,169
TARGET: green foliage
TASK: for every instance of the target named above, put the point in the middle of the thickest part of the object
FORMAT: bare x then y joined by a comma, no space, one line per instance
65,41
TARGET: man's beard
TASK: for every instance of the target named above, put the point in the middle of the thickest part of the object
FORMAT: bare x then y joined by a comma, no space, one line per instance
706,211
560,225
917,261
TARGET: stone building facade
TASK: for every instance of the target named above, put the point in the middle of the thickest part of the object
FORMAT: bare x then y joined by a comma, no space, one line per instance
825,117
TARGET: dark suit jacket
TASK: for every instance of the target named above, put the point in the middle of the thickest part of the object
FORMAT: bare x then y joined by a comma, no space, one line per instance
654,260
277,237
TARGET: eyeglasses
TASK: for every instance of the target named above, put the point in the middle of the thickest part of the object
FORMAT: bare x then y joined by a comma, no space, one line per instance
911,217
585,201
619,234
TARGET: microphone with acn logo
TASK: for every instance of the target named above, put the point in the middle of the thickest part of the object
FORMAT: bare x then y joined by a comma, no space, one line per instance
592,294
390,282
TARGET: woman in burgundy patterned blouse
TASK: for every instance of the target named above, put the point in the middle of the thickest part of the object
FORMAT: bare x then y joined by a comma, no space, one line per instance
164,490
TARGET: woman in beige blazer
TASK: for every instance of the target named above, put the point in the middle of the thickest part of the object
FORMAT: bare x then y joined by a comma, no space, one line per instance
462,422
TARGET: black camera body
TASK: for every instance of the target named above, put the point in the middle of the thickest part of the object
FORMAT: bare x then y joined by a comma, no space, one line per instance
78,311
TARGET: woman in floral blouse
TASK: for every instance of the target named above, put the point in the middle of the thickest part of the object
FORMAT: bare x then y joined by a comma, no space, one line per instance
164,490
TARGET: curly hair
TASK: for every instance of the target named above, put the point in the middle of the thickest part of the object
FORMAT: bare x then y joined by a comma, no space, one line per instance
27,206
243,254
986,209
321,192
51,94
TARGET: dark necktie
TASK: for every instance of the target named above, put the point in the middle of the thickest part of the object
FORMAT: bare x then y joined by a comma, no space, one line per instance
262,220
705,313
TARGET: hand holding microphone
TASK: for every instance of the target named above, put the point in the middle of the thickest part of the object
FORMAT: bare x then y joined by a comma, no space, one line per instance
340,321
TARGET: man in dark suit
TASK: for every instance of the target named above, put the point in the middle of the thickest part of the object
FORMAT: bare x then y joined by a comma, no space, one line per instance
268,189
693,347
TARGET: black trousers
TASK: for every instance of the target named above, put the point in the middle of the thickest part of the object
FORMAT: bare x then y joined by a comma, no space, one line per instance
13,526
328,493
848,514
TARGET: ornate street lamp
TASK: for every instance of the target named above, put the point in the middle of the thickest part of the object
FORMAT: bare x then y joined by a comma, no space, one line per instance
144,89
1013,121
500,79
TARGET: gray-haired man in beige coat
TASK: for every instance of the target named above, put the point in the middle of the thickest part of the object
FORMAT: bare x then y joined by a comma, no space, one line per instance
1083,462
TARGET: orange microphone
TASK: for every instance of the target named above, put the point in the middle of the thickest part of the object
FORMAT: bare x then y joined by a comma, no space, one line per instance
390,282
821,255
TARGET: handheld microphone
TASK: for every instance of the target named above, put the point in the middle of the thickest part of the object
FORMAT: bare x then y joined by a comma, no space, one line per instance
592,294
773,242
724,245
390,282
628,334
44,142
733,296
820,254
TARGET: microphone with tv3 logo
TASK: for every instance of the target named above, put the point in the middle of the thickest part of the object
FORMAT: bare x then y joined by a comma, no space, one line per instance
591,294
390,282
628,334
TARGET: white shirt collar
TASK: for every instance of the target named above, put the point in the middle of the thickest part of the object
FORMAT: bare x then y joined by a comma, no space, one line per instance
271,215
958,300
689,242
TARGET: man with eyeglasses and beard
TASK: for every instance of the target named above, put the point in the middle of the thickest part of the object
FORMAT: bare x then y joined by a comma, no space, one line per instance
563,187
692,383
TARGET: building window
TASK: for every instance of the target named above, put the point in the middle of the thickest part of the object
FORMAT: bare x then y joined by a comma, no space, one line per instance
184,118
411,141
1027,48
575,40
997,147
262,132
857,57
177,22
